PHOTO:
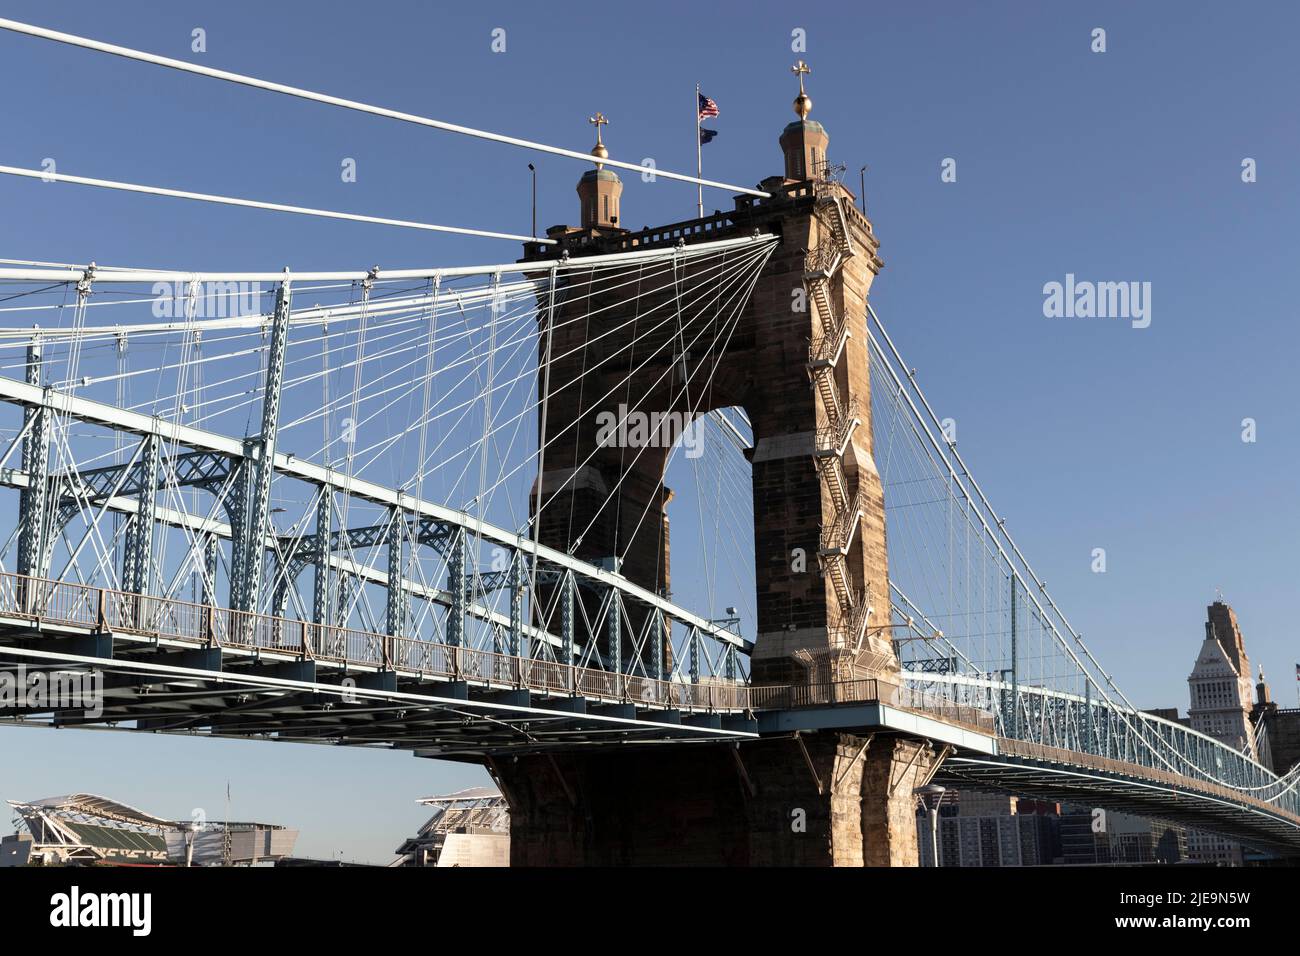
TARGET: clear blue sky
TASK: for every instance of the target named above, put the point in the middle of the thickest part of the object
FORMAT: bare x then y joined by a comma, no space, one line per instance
1085,433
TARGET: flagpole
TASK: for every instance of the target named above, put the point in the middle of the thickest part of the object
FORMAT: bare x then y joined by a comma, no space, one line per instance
699,155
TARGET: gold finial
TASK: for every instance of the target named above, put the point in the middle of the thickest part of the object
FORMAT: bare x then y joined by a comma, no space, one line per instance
802,102
599,150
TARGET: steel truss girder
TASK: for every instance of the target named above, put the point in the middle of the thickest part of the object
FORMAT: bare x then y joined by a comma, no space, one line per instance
423,531
344,570
242,454
201,469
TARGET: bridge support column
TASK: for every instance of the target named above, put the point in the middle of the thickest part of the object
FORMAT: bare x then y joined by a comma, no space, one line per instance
820,799
891,770
806,806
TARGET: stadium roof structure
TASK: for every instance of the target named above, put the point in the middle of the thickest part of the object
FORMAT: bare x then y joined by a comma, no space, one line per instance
479,811
83,828
94,805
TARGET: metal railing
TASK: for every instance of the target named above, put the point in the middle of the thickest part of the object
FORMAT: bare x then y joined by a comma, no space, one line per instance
721,224
825,346
822,260
1092,727
44,601
848,634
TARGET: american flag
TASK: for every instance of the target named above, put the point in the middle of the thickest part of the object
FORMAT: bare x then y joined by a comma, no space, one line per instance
707,107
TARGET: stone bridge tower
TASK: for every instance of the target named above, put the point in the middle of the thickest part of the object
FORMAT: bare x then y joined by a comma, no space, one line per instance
797,360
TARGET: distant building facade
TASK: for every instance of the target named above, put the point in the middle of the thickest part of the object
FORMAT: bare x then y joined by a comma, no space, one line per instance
1221,694
1097,838
982,830
978,829
1213,849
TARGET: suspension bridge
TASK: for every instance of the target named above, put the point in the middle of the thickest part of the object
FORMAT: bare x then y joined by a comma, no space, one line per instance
383,508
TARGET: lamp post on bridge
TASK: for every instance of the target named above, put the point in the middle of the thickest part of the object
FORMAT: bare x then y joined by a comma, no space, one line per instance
533,169
937,792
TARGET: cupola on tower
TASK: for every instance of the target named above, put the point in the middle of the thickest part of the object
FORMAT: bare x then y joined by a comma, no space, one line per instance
599,189
803,141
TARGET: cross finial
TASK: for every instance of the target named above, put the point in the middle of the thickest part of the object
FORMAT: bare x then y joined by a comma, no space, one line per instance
799,69
802,102
599,150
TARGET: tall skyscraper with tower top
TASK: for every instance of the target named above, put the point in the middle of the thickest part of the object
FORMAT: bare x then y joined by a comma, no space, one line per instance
1220,683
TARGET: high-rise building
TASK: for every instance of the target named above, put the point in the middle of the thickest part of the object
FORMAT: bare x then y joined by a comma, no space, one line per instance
1220,686
985,829
1222,702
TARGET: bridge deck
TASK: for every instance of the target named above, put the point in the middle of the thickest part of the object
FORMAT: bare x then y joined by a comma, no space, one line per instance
176,667
1035,770
180,667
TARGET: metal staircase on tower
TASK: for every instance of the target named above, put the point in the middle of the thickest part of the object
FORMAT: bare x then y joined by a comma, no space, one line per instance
837,419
